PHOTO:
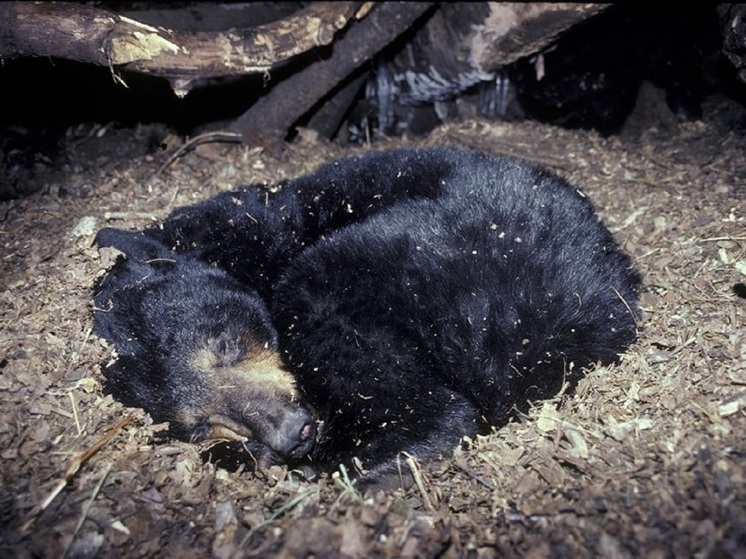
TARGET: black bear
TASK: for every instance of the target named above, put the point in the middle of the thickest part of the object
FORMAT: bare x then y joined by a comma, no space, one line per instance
415,296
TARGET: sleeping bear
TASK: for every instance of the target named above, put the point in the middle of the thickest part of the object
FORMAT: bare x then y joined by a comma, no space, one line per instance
388,303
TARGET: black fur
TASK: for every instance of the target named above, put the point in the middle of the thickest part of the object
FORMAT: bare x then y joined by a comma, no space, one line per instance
419,295
253,233
187,336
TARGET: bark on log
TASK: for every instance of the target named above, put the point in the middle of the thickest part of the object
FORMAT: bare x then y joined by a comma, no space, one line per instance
268,121
468,42
90,34
515,30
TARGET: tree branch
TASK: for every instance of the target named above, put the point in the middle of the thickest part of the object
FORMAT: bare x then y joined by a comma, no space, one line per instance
268,121
89,34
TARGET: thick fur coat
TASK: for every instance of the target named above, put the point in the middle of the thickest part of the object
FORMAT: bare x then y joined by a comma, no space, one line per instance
414,297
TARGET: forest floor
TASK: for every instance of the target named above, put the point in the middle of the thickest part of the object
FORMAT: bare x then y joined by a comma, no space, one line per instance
647,458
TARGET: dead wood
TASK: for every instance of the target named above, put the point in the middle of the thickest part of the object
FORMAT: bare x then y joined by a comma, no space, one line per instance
90,34
468,42
459,46
268,121
326,120
516,30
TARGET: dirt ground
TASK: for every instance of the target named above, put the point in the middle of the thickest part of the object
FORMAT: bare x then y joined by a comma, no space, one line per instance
646,459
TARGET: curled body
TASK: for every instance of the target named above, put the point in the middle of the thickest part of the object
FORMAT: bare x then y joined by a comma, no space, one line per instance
410,296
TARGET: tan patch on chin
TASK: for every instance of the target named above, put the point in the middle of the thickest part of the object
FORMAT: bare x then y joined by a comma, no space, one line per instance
224,428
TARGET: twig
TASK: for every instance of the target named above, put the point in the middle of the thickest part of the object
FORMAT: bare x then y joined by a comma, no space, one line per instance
76,417
86,508
217,136
417,475
630,219
629,309
110,216
87,336
726,238
473,475
73,467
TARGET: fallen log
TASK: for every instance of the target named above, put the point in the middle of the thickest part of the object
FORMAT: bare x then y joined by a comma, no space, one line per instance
456,46
98,36
468,42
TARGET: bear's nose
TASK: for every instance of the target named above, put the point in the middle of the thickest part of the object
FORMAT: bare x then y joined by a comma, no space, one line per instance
298,435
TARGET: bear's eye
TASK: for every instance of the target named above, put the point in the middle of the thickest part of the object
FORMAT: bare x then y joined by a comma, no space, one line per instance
228,350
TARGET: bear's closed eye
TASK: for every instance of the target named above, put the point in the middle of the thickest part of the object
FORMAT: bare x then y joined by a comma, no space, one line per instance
227,349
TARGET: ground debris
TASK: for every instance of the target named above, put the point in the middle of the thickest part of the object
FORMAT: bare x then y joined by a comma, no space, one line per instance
645,458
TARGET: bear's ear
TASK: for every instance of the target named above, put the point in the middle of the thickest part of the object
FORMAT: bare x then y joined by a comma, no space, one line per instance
134,244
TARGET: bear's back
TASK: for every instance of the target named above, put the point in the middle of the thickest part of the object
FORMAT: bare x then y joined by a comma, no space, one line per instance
505,283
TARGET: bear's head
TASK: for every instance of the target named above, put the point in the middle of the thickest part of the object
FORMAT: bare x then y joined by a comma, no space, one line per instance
197,349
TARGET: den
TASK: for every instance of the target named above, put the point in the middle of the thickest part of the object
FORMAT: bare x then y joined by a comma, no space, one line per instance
372,279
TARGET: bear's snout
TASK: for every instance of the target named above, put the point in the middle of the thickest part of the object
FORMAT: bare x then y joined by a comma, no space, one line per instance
296,435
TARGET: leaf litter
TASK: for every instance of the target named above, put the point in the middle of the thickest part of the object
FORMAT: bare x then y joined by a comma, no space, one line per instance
645,458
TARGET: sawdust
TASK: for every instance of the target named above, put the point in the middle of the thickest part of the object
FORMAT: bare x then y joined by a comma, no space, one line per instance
646,458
